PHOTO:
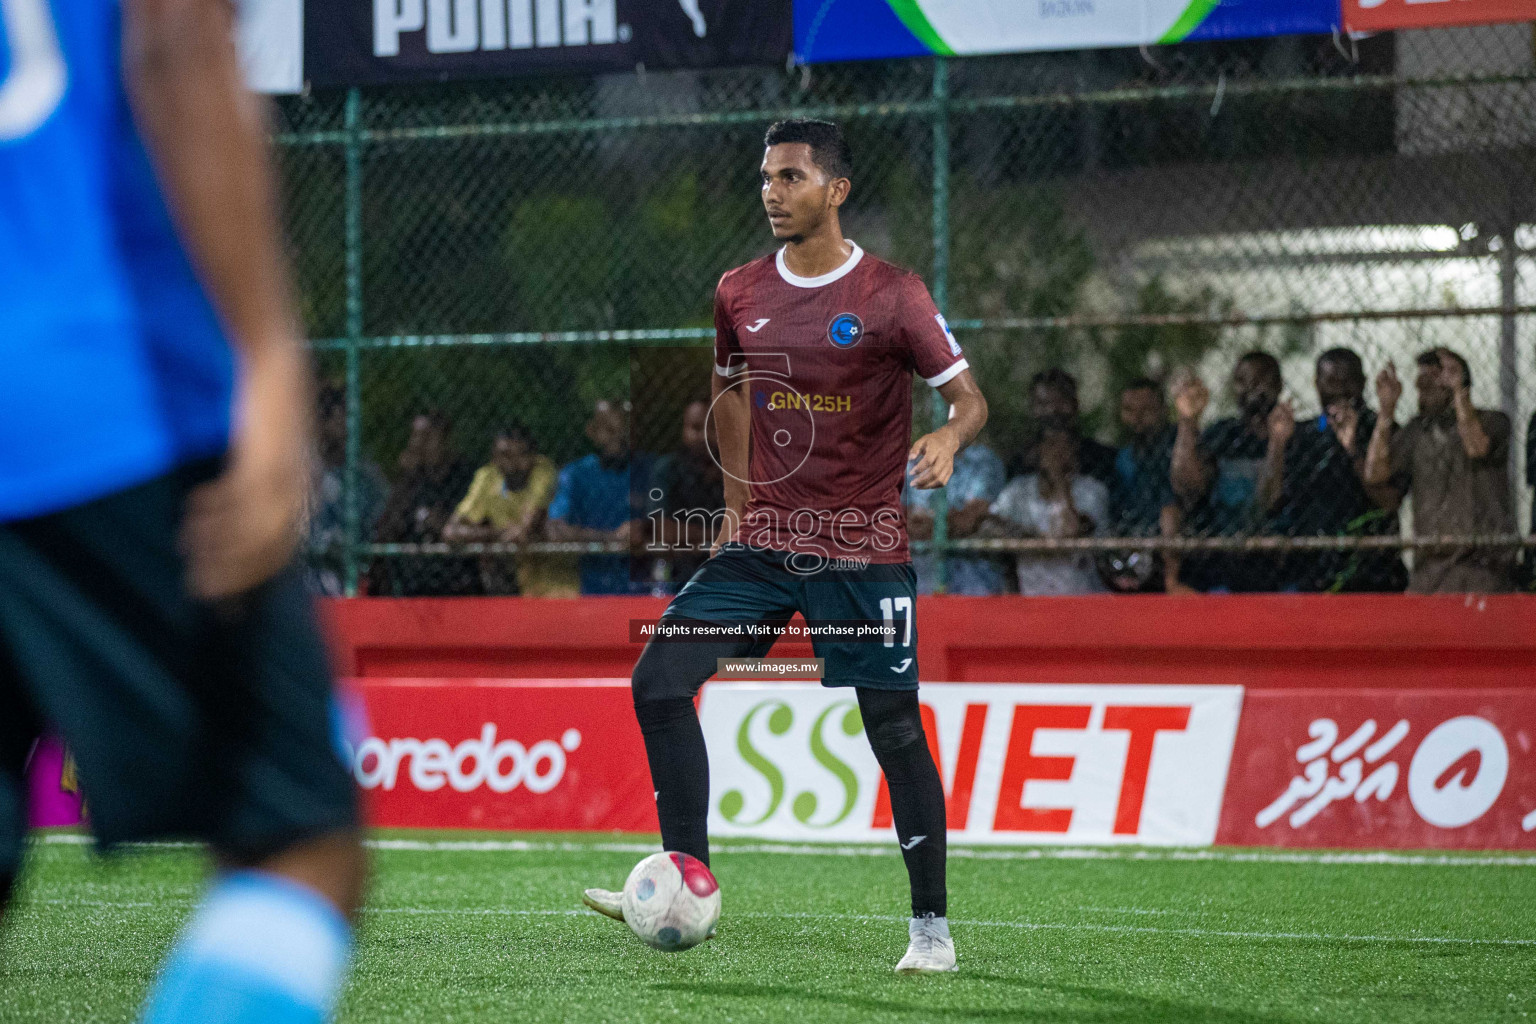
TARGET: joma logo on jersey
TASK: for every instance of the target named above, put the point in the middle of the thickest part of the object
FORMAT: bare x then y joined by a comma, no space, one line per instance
811,403
466,26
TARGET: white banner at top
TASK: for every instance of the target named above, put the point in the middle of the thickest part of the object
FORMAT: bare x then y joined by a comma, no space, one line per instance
832,30
270,37
970,27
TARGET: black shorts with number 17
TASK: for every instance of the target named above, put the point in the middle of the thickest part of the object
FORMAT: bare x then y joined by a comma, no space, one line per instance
747,585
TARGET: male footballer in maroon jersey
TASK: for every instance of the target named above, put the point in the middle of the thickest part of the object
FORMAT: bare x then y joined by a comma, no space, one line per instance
815,347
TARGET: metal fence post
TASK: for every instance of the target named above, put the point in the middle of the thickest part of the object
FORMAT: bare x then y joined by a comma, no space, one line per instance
351,513
1509,300
940,408
1509,355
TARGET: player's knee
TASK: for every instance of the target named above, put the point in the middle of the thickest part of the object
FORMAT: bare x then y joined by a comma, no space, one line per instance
662,697
892,719
648,679
658,717
659,677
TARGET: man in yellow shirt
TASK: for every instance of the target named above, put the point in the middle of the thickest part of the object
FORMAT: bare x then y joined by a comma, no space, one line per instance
505,504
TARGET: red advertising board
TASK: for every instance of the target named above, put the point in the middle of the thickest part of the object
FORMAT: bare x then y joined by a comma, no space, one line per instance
503,754
1032,763
1361,768
1017,766
1386,15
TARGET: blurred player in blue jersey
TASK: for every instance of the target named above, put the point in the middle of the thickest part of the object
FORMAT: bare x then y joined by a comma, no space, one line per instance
154,429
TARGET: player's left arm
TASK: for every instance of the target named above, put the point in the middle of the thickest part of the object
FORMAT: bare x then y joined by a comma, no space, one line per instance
937,358
933,455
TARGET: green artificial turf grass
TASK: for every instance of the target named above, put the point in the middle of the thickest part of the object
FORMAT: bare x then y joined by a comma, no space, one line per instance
498,935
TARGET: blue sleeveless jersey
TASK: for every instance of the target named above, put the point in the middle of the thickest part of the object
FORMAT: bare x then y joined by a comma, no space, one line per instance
113,367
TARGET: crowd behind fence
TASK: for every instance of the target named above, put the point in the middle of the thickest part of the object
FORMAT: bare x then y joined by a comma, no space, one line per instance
502,278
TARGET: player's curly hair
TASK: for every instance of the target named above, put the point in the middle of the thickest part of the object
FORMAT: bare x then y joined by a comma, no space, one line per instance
829,149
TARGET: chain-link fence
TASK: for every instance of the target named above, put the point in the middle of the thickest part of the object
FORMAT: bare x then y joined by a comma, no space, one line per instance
498,258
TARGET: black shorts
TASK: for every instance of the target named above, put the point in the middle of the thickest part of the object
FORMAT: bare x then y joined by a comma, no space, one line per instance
751,585
185,720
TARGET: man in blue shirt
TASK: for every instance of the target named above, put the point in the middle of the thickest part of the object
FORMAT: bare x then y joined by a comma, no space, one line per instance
978,479
601,498
1141,498
150,606
326,532
1222,473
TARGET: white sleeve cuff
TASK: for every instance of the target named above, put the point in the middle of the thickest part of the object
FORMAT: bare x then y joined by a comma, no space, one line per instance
945,377
729,371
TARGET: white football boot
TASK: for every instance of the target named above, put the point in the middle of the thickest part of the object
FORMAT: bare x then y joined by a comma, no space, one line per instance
931,950
609,904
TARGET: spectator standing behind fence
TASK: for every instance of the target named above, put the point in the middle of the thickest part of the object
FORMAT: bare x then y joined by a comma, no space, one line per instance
686,498
430,480
1454,460
506,504
1141,498
1053,404
975,484
601,498
1056,502
1218,473
1322,490
326,532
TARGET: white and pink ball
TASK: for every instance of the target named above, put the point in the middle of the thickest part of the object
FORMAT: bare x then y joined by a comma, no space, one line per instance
672,901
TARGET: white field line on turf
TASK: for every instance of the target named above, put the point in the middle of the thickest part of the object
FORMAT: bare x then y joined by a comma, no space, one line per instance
417,911
108,904
1126,929
955,852
1063,926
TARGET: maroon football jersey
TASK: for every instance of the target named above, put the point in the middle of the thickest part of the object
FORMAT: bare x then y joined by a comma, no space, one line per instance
827,364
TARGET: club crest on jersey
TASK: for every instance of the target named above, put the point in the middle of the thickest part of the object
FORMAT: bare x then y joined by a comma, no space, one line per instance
846,330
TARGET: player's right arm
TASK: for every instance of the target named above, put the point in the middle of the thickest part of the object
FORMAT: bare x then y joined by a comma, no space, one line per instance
732,415
206,137
733,423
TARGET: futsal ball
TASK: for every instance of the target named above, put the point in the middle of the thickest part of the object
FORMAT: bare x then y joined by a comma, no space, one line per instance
672,901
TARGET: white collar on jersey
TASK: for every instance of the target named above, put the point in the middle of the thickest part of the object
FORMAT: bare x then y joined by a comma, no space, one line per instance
825,279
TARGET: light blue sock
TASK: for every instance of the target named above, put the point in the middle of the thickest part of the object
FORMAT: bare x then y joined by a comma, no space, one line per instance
260,950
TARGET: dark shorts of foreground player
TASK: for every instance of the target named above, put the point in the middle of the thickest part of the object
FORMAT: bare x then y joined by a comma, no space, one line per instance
756,586
185,719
